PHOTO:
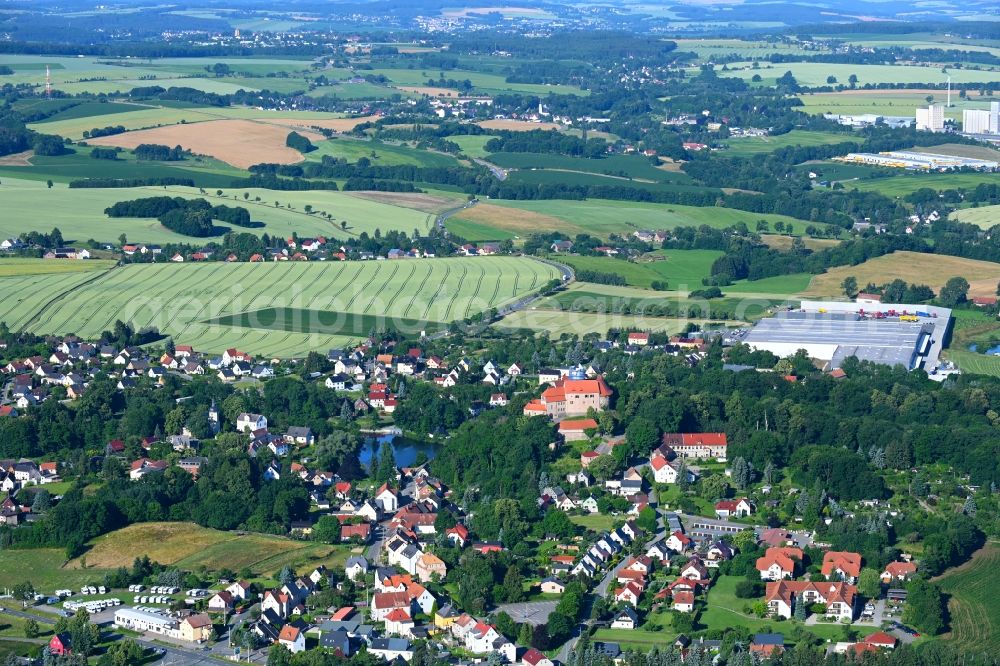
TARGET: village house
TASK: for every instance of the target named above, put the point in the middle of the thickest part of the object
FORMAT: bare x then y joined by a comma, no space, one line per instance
705,445
779,562
625,619
839,598
738,508
840,565
292,638
898,571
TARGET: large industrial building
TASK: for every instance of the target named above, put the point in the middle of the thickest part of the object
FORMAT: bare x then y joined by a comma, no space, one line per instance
908,159
982,121
930,118
831,331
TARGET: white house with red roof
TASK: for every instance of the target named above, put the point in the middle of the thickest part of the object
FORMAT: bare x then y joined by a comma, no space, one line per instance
735,508
399,623
678,542
576,429
700,445
628,593
535,658
639,339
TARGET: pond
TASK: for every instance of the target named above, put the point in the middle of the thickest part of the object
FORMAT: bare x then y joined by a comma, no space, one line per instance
405,451
992,351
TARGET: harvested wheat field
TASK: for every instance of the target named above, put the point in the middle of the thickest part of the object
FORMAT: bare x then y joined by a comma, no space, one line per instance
335,124
17,159
430,90
512,220
241,143
930,269
517,125
425,203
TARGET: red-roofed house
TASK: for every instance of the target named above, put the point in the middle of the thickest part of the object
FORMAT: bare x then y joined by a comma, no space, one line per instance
683,601
576,429
629,593
399,623
697,444
535,658
571,397
781,597
292,638
459,535
779,562
640,339
361,532
843,565
896,571
677,542
588,457
738,508
880,639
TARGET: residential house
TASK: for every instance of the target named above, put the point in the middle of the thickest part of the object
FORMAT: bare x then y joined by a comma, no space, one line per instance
683,601
239,590
196,628
300,436
221,602
143,466
677,542
292,638
387,498
839,598
841,565
625,619
898,571
356,567
458,535
60,645
668,471
552,585
779,562
704,445
765,646
251,422
429,565
399,623
737,508
628,594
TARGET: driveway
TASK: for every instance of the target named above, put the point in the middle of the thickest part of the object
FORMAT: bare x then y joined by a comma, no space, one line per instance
532,612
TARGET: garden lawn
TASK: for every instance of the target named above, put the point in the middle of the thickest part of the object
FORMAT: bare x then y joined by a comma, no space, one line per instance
595,522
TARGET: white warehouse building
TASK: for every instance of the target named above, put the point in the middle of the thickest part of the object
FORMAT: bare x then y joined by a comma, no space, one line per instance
139,620
832,331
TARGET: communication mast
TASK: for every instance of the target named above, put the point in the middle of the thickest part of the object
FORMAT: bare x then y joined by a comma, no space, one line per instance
48,82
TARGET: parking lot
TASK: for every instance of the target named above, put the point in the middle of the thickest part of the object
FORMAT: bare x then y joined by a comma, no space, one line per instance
532,612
